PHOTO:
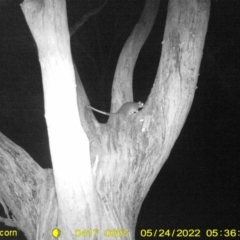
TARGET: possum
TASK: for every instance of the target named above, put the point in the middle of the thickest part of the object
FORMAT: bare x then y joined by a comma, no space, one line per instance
125,110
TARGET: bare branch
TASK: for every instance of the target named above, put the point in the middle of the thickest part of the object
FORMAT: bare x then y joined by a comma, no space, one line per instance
8,222
26,189
85,17
122,84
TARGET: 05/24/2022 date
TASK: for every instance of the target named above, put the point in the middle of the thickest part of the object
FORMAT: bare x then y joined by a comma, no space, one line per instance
230,233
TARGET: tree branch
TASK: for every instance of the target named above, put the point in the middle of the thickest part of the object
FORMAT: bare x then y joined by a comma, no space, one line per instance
122,84
85,17
8,222
26,189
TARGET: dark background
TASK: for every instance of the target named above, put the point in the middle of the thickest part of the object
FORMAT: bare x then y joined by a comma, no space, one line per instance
198,187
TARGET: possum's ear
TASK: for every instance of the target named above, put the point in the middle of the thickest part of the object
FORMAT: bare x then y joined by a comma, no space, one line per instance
140,104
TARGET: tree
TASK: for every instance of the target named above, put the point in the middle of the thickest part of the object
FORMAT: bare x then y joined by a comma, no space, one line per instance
105,187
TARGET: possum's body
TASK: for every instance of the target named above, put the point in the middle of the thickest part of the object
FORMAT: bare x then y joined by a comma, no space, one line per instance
125,110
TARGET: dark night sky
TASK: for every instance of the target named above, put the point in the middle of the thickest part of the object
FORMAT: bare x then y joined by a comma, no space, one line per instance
198,187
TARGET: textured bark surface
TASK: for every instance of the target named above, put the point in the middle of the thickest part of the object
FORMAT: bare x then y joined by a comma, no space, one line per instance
27,192
129,153
122,91
68,142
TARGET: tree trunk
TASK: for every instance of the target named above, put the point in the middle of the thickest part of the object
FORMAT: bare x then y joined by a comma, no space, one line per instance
69,145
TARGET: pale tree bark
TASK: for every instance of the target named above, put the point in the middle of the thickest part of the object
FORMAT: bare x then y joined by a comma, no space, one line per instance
122,84
69,145
103,190
27,191
129,154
